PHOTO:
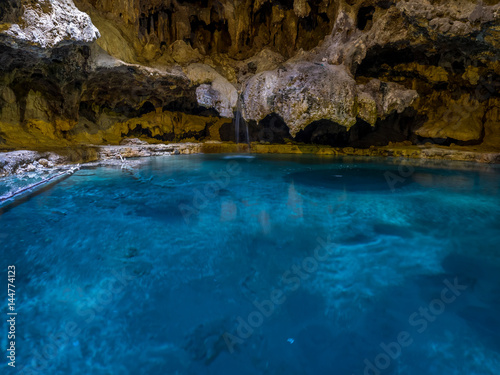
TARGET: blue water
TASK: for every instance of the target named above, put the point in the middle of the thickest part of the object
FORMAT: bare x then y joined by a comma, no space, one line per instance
214,264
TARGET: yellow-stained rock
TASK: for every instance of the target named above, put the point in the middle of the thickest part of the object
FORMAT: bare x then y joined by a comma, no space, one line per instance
472,75
448,118
492,123
433,74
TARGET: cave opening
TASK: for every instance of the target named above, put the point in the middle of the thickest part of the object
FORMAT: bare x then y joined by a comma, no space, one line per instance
396,127
190,108
392,55
211,38
324,132
140,132
271,129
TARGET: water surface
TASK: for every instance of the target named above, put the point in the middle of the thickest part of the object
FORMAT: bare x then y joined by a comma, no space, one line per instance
170,266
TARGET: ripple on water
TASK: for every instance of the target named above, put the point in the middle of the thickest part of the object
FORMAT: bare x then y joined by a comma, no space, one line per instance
108,246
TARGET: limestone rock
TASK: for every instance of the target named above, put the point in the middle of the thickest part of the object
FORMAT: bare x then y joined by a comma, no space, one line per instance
388,96
161,68
183,53
492,124
301,93
114,40
132,141
47,23
459,119
262,61
301,8
215,91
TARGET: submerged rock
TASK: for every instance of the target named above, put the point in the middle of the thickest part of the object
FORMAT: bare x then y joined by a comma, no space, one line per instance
206,342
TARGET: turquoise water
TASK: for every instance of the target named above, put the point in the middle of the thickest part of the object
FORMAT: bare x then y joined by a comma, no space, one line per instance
220,264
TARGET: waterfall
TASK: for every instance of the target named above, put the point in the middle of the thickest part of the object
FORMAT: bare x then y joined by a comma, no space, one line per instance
238,119
237,116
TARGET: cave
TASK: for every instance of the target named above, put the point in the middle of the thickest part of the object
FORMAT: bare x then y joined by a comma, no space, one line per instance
250,187
324,132
271,129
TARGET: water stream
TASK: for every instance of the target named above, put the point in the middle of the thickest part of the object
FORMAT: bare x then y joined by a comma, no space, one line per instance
239,120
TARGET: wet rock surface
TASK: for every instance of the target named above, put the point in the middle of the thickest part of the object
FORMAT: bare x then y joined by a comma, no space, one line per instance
28,161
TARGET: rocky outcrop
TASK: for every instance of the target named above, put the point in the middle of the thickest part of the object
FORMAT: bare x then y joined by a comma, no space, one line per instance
49,23
214,91
303,92
342,73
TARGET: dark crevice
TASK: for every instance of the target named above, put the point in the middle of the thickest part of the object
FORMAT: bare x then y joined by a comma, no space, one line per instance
284,4
397,127
447,141
272,129
10,10
324,132
140,132
197,3
203,35
146,108
392,55
85,110
385,4
190,108
365,16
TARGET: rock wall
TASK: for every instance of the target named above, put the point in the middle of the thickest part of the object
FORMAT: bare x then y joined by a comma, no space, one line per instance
344,73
